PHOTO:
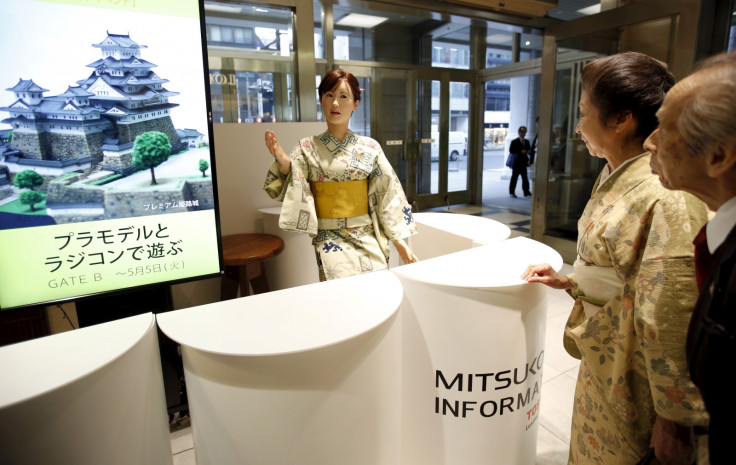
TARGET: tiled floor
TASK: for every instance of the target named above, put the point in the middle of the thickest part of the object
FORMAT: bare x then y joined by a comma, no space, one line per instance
560,370
182,446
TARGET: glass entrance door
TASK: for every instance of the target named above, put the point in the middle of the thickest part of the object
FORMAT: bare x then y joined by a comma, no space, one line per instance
423,127
442,164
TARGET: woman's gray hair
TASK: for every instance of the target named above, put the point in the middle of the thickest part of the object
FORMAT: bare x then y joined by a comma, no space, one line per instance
708,115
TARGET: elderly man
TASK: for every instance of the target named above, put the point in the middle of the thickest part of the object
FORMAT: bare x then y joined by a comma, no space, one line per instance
694,150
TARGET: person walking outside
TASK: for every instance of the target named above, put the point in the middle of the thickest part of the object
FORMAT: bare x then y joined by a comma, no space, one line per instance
518,162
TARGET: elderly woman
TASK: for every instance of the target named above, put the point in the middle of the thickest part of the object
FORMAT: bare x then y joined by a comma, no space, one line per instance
340,189
634,281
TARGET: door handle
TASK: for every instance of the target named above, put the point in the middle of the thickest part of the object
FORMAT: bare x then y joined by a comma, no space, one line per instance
412,150
419,143
416,147
399,142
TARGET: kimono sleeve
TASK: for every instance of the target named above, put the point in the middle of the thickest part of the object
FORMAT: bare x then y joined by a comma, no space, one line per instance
387,200
662,296
577,316
297,212
276,183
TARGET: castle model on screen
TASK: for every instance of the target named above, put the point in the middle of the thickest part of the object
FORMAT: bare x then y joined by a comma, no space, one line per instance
86,137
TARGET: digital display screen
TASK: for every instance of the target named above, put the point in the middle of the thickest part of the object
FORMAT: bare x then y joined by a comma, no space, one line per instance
107,170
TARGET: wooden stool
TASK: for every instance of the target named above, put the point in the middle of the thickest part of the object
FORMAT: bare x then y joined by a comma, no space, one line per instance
244,255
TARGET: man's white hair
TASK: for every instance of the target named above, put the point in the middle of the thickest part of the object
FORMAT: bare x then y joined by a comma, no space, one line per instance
708,114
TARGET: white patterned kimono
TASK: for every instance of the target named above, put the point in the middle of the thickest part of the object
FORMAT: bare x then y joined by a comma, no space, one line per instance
344,246
632,348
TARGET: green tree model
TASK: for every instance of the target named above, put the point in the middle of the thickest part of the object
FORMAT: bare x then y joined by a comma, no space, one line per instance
203,165
31,198
150,150
27,179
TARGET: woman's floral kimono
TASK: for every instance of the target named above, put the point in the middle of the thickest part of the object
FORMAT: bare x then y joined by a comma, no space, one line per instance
344,246
632,350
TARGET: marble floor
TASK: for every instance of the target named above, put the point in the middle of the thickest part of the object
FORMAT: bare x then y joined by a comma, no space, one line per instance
560,370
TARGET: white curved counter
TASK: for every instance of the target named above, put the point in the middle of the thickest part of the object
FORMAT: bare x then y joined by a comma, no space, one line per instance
440,234
89,396
330,373
472,355
437,234
304,375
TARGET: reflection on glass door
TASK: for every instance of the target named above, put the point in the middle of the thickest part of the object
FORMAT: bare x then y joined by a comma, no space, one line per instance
251,63
457,137
428,109
241,96
360,122
570,171
393,121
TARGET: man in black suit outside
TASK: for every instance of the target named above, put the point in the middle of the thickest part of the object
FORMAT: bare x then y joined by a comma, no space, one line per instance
520,149
694,150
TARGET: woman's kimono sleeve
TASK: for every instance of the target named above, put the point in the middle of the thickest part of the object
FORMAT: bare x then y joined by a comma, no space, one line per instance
297,212
577,316
662,296
276,183
387,202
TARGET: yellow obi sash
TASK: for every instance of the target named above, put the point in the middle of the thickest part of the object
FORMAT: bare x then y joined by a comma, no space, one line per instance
341,199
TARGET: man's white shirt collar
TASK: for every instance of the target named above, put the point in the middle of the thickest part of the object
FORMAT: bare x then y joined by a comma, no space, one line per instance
721,224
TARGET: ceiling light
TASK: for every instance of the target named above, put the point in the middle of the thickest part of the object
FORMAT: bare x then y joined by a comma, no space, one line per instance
498,38
222,8
590,10
358,20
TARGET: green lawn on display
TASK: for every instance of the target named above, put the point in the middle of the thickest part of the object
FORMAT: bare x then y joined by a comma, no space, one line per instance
16,207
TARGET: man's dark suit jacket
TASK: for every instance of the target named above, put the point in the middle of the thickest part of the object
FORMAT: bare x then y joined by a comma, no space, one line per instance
711,350
521,159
